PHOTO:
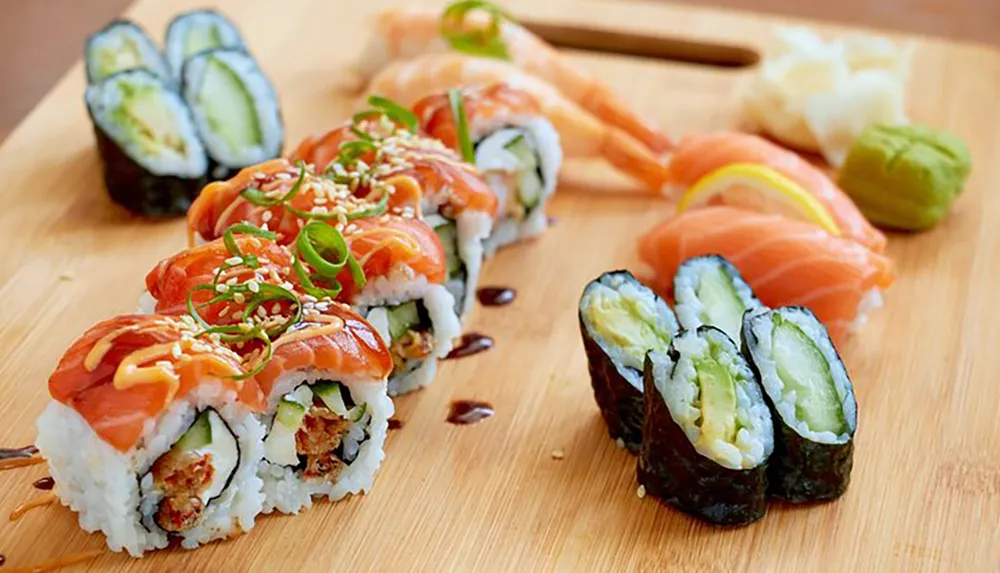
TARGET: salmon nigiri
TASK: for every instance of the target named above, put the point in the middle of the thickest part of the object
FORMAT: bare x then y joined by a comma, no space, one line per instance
403,33
785,262
699,155
581,134
127,370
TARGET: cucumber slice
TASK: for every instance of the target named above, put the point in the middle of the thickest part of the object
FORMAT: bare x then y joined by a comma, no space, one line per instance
531,186
718,401
229,108
521,149
198,435
403,318
330,394
356,413
804,370
722,305
201,38
279,446
448,234
224,453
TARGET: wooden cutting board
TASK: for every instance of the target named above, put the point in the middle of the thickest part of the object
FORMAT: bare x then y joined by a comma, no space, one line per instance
925,493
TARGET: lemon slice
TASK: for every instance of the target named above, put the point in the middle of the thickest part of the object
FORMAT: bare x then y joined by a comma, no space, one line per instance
758,188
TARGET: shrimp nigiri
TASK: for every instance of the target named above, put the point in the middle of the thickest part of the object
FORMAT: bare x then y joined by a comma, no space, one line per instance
699,155
786,262
582,134
406,33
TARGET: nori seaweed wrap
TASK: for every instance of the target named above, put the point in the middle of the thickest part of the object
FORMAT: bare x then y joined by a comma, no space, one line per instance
119,46
235,109
812,402
620,321
154,163
194,32
707,433
708,290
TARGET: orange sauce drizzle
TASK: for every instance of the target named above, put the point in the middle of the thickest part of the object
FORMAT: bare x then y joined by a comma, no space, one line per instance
40,501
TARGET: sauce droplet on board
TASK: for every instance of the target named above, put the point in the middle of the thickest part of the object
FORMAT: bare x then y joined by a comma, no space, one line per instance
469,344
2,559
465,412
496,296
395,424
17,453
552,220
45,483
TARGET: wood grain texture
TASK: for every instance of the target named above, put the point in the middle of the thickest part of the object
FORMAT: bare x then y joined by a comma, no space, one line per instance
925,494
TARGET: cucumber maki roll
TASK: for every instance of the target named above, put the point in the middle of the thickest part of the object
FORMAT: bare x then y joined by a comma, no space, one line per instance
812,402
154,163
119,46
194,32
235,108
708,290
620,321
707,433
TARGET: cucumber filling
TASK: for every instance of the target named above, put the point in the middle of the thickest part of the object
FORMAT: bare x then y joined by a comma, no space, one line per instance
806,376
411,336
721,305
318,430
509,156
201,37
194,472
147,121
448,233
229,108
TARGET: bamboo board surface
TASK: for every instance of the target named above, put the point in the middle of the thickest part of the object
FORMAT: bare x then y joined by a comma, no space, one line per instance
925,493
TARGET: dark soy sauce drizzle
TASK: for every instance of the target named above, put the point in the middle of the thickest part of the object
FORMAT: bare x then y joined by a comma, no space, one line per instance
2,559
46,483
552,220
469,344
496,296
465,412
395,424
18,453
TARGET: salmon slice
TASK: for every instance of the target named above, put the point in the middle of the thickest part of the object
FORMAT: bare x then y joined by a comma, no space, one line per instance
699,155
485,107
337,340
786,262
446,183
96,375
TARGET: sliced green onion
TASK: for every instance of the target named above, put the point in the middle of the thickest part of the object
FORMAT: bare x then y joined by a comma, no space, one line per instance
350,151
244,229
316,242
260,199
486,42
394,111
373,210
236,333
461,125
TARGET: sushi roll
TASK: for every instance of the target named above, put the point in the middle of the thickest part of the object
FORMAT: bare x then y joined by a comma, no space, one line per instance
427,178
811,398
145,451
513,145
154,163
709,291
194,32
235,108
708,433
119,46
328,411
620,321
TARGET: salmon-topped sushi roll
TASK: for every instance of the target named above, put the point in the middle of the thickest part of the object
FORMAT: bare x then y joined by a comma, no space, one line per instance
503,132
380,153
152,433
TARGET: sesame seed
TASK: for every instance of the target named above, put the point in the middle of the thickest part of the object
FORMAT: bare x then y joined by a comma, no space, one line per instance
266,216
238,315
641,492
253,286
221,288
232,281
239,298
175,350
232,261
276,309
261,312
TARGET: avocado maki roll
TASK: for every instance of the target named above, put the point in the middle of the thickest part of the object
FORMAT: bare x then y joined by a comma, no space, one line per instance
620,321
708,290
707,433
235,108
119,46
194,32
154,163
812,402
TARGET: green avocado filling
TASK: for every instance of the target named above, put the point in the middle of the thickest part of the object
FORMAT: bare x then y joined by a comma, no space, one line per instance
804,370
229,107
627,324
111,60
721,305
147,120
718,399
201,38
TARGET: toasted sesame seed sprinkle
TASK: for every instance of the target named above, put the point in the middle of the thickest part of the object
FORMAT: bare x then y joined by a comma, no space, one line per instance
253,286
239,298
221,288
266,216
233,261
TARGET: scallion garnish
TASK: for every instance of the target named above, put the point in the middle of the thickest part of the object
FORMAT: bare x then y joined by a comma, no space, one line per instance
326,251
393,111
461,125
260,199
480,41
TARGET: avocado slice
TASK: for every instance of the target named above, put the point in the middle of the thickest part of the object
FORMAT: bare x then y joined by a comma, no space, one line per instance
147,120
721,304
210,436
111,60
718,401
229,107
201,38
804,370
627,324
279,446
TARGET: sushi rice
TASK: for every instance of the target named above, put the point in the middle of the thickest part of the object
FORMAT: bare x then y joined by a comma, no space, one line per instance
122,45
194,32
710,291
112,491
